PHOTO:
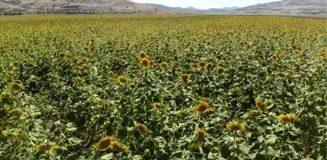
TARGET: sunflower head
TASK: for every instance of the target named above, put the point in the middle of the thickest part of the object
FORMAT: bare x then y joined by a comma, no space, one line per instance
208,66
259,102
292,118
202,64
194,65
119,147
220,70
18,85
243,128
286,66
157,105
84,66
4,133
275,57
5,95
283,118
145,63
79,80
104,143
152,64
300,60
202,107
62,55
16,112
253,113
200,134
122,80
163,65
143,55
268,79
45,147
185,77
142,128
233,126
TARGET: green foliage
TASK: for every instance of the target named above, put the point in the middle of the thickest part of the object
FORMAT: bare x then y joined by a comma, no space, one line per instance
71,98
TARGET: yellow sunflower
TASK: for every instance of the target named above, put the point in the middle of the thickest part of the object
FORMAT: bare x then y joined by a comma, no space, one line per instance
18,85
200,134
16,112
194,65
143,55
141,127
119,147
202,107
104,143
186,77
152,64
122,80
163,65
46,147
145,63
202,64
220,70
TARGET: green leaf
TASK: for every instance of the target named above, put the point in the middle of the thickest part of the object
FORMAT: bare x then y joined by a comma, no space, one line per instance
107,156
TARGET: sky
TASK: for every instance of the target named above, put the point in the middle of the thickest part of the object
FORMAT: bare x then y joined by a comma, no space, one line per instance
205,4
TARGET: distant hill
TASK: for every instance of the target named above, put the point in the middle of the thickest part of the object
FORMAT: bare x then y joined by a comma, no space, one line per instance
75,7
11,7
287,7
196,10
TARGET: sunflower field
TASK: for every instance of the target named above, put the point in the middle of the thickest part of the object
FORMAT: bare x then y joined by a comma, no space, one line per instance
146,87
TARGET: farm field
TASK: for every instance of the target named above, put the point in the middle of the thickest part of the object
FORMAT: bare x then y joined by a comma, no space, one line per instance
163,87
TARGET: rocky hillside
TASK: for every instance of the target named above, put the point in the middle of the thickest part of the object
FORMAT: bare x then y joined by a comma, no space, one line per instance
75,7
288,7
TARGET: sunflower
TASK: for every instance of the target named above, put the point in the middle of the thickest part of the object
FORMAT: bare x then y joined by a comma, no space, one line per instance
15,134
79,80
274,57
46,147
119,147
243,128
260,103
16,112
286,66
163,65
202,107
194,65
202,64
186,77
4,133
18,85
300,60
253,113
291,118
233,126
122,80
307,159
84,66
157,105
141,127
77,68
268,79
104,143
208,66
143,55
152,64
145,62
62,55
220,70
5,95
200,134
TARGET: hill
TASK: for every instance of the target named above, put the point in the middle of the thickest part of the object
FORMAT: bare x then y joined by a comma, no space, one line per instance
287,7
75,7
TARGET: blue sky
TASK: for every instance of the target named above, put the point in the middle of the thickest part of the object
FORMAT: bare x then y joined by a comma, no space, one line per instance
204,4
